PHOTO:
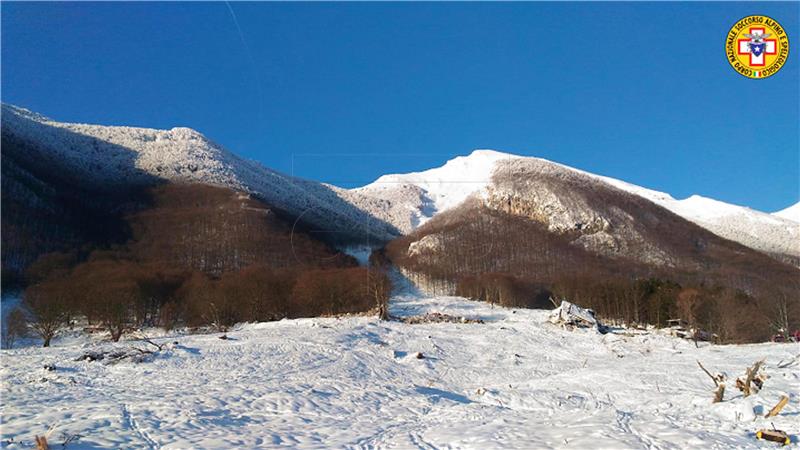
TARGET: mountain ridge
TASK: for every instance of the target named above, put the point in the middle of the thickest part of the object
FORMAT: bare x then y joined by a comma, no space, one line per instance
771,233
109,155
392,205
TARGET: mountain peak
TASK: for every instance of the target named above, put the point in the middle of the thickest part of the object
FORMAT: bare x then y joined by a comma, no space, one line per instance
489,153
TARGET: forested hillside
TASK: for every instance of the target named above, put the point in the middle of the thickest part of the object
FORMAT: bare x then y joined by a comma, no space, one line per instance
198,255
45,208
501,257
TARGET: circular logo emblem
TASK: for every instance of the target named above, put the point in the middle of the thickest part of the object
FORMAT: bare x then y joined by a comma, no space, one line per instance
757,46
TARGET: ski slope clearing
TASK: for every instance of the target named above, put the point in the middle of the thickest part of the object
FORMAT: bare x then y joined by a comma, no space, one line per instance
514,381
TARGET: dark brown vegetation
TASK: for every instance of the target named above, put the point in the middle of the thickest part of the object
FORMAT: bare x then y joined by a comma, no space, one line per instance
15,327
494,256
505,290
45,210
199,256
214,230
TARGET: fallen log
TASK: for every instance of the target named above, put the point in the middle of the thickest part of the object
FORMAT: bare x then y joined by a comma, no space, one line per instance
778,407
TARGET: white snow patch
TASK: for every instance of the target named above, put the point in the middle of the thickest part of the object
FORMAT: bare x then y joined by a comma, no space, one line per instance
443,187
360,252
791,213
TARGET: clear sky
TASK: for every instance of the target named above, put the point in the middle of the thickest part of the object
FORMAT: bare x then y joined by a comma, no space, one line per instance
349,91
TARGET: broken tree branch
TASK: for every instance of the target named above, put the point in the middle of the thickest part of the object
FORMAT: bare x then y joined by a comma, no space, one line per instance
778,407
753,381
716,383
719,381
785,364
144,338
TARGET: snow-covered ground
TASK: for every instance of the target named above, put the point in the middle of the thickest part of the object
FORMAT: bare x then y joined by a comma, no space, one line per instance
514,381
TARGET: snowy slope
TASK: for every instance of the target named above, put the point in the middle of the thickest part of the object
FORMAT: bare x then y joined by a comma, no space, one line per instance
754,229
114,155
512,382
440,188
791,213
447,186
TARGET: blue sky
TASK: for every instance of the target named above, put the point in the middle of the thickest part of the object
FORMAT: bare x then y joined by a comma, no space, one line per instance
344,92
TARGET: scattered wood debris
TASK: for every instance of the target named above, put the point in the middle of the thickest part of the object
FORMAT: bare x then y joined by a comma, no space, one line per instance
778,407
437,317
719,382
680,328
132,353
753,380
789,363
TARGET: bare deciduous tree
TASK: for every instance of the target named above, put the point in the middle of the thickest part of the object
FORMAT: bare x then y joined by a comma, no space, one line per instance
48,312
16,326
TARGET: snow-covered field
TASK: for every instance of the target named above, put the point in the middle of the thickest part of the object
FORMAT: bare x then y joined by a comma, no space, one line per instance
515,381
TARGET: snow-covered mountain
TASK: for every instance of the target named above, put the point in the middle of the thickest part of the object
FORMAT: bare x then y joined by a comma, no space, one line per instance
107,156
395,204
416,197
791,213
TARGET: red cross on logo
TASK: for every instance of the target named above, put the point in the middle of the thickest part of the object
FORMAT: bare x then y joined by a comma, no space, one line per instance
770,47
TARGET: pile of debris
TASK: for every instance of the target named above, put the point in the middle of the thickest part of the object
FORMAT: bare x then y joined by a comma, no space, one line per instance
680,328
750,384
571,316
437,317
132,353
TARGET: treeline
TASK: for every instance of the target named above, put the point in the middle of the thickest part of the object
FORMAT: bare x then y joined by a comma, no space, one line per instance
118,295
505,290
733,315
